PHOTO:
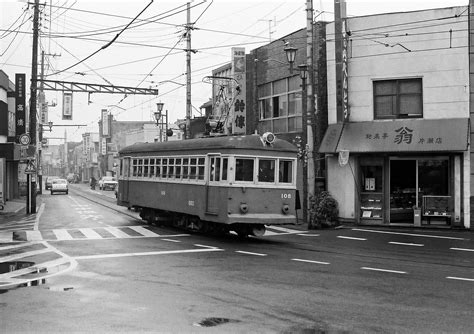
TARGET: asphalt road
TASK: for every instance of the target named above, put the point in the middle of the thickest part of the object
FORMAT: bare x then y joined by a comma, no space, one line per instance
115,273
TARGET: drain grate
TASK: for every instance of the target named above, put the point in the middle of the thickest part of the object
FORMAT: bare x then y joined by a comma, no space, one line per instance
211,322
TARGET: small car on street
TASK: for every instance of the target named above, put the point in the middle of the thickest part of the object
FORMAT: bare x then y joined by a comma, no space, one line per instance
107,182
59,186
49,179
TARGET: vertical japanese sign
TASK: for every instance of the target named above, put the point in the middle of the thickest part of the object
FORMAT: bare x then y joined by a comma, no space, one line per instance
105,123
67,105
43,108
2,180
238,93
103,146
342,100
20,112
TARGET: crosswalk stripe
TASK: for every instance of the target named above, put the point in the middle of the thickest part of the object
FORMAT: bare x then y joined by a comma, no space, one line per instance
117,232
33,236
144,231
90,233
62,235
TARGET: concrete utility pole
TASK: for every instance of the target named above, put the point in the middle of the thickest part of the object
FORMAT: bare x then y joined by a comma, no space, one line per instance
188,71
31,178
310,110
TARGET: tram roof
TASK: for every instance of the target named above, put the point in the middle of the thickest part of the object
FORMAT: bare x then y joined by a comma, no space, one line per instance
208,144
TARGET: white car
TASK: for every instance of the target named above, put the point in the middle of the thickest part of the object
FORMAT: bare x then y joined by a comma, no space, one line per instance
107,182
59,186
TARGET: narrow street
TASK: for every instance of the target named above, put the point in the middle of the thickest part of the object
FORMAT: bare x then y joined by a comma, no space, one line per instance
107,271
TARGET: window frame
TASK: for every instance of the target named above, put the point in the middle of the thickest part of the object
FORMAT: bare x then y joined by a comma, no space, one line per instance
397,96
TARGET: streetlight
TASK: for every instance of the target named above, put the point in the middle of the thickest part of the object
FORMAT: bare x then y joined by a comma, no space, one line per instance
158,114
290,56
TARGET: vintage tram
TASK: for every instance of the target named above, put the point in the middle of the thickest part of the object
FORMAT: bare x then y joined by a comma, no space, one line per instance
222,184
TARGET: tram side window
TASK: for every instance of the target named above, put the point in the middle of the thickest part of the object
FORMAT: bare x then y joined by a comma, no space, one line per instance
140,168
145,167
244,169
170,168
201,163
177,168
135,167
185,168
164,168
215,169
286,171
152,168
158,168
266,170
224,168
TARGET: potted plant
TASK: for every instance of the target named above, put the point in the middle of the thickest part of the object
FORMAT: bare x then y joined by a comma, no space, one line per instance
323,210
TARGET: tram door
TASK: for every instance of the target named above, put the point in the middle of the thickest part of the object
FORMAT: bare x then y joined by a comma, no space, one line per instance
217,164
123,187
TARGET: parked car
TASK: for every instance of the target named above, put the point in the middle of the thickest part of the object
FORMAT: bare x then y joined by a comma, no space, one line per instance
59,185
107,182
49,179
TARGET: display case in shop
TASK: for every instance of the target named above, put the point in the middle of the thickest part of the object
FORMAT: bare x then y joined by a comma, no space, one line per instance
371,207
436,207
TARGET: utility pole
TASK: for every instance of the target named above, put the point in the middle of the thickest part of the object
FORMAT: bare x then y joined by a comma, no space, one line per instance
188,72
31,178
310,110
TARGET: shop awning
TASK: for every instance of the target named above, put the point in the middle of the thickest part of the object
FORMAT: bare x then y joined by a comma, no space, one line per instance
408,135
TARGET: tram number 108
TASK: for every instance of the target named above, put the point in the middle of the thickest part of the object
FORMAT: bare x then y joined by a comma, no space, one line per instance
286,196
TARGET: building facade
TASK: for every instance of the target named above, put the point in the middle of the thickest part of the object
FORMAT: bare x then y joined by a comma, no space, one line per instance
401,154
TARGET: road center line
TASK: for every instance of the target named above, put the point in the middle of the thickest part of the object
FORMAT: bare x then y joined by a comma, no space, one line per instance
310,261
461,278
409,234
250,253
463,249
351,238
105,256
384,270
308,235
171,240
405,244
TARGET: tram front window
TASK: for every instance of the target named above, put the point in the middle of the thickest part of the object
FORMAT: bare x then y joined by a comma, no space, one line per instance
266,170
244,170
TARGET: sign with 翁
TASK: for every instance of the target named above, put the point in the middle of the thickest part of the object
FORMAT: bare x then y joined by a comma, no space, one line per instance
67,105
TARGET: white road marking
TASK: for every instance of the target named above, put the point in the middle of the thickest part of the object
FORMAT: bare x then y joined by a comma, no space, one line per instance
6,236
269,233
171,240
18,246
310,261
104,256
250,253
308,235
211,247
24,254
62,234
384,270
409,234
461,278
405,244
90,233
351,238
34,236
117,232
283,229
40,211
463,249
144,231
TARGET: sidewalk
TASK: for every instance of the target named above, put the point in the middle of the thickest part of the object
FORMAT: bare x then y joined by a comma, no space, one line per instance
14,206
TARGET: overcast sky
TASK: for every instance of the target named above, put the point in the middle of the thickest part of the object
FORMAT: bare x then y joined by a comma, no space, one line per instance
150,53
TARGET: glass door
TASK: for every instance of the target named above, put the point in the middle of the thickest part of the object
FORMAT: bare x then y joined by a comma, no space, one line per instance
403,186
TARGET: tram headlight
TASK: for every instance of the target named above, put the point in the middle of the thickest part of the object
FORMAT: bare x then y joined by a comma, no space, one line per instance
285,209
268,138
244,208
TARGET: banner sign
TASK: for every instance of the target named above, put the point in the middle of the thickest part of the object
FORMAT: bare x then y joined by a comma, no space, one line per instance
105,123
238,94
103,147
67,105
20,110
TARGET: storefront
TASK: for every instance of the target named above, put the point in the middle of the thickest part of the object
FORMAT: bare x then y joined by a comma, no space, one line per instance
410,172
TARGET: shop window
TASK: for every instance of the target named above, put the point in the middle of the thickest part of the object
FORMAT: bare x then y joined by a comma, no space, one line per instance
401,98
433,177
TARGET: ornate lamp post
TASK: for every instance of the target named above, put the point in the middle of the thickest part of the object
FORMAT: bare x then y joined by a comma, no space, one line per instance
290,56
303,68
158,114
